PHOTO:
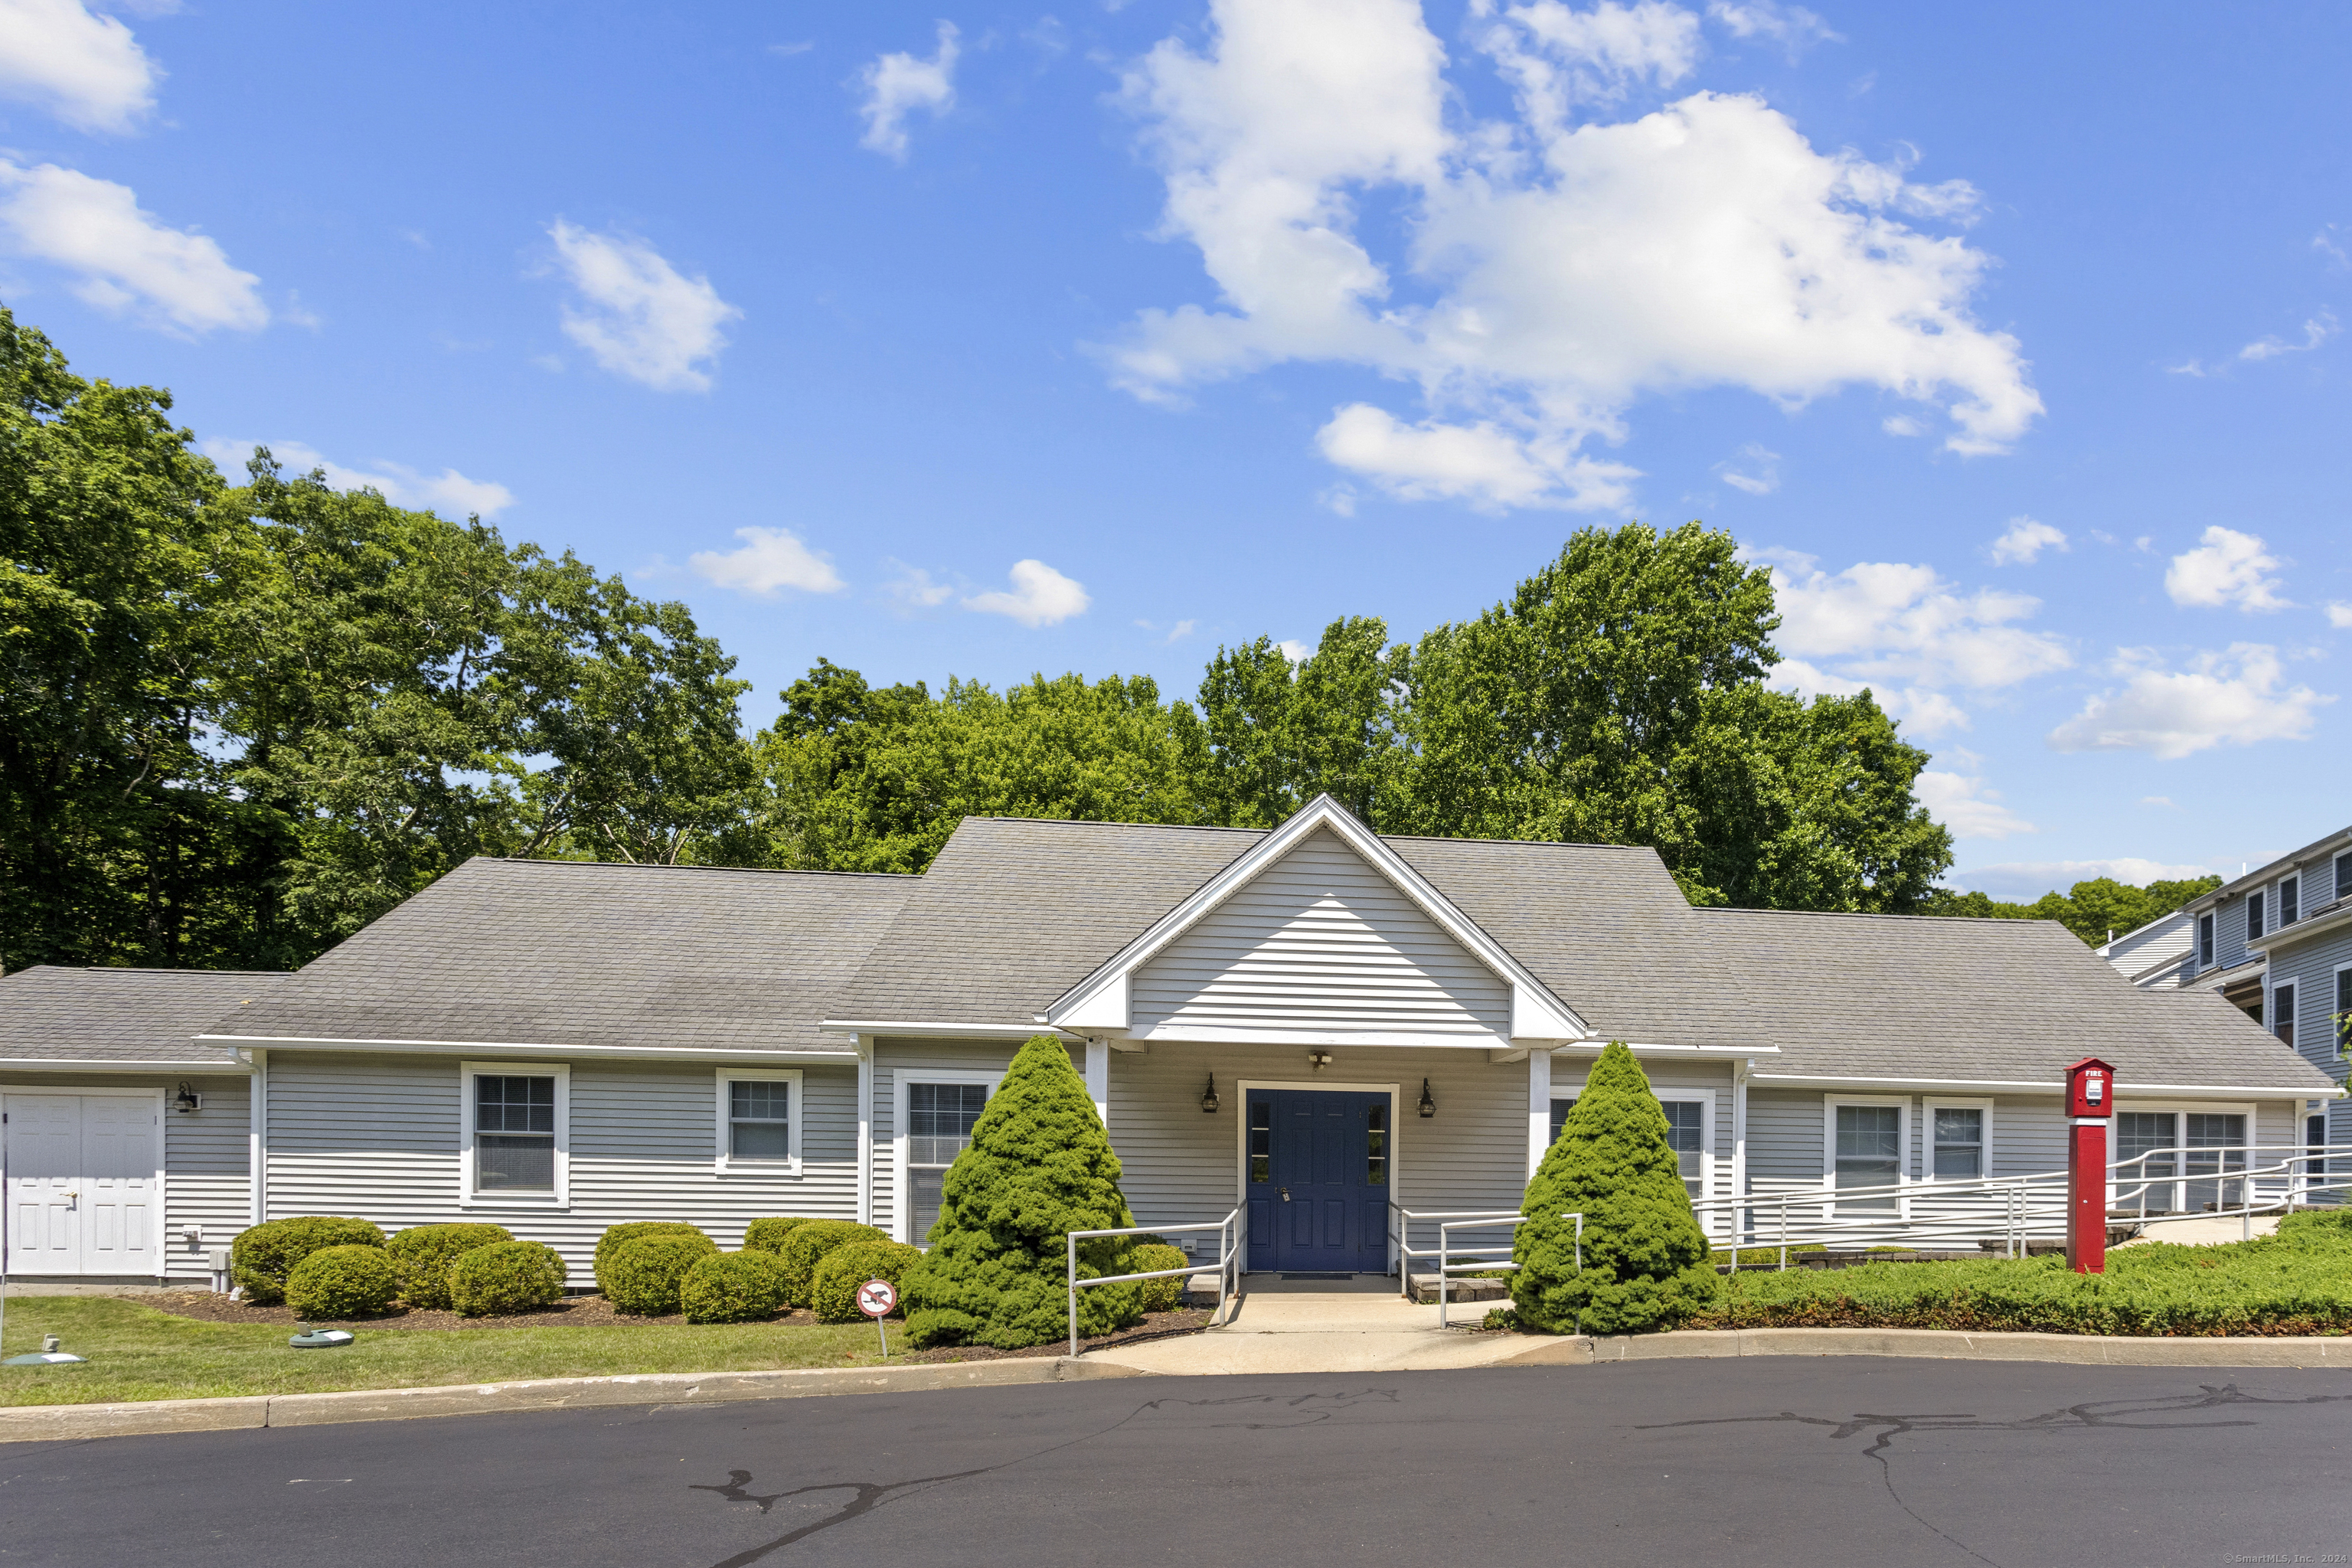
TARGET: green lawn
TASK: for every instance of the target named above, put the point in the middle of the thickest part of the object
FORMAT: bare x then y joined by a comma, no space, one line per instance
138,1352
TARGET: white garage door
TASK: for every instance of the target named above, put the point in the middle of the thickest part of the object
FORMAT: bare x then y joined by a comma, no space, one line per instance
82,1183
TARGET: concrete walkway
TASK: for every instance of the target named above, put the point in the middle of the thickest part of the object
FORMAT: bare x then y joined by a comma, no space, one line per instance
1358,1325
2204,1232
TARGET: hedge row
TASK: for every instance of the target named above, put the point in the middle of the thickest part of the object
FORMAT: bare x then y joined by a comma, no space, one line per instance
2297,1282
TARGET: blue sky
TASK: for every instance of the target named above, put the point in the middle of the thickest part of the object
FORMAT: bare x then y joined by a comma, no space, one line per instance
974,339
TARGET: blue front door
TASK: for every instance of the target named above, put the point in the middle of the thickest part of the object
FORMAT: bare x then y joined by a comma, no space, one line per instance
1318,1181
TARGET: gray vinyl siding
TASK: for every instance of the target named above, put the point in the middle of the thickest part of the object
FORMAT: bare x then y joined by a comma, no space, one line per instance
1320,944
378,1136
898,1058
205,1182
1181,1165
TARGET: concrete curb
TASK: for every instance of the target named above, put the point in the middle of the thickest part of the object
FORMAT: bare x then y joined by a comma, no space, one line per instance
1952,1344
61,1423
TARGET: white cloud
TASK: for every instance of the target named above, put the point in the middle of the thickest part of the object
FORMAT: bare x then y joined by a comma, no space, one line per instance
1293,650
1041,596
2316,332
2024,541
1924,713
1902,424
85,69
2339,616
914,587
2329,242
449,492
2221,699
1791,26
767,560
1763,481
2029,880
129,263
1964,804
898,84
1561,267
643,318
1489,467
1180,629
1891,620
2228,570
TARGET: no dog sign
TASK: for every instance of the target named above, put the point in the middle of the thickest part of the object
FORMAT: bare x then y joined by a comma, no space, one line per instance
877,1297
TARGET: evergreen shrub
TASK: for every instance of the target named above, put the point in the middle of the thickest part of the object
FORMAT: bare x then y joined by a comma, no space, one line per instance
343,1282
833,1290
618,1236
1157,1295
768,1235
746,1287
806,1246
1646,1263
505,1278
423,1254
262,1255
643,1275
1040,1166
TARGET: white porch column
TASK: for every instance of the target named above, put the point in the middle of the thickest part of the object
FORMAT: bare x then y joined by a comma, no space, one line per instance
1098,1078
1740,1070
866,1130
257,1137
1538,1107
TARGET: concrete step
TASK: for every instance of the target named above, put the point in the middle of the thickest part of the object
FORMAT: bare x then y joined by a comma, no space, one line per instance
1461,1289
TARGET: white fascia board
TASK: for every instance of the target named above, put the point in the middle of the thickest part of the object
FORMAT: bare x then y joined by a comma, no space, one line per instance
2032,1086
1659,1048
510,1047
1324,812
933,1031
228,1066
1259,1035
2318,926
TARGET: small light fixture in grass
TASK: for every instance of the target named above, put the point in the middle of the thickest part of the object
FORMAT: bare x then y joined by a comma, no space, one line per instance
312,1339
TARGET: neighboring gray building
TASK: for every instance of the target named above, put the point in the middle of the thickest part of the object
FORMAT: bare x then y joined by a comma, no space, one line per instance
1316,1022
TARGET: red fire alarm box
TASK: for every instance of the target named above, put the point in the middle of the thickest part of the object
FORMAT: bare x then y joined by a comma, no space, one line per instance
2090,1088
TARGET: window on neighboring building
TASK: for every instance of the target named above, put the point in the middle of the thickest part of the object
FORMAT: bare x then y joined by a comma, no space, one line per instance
2205,941
514,1133
2253,917
940,1117
2290,897
1959,1142
1868,1152
2281,1014
2344,875
2343,1012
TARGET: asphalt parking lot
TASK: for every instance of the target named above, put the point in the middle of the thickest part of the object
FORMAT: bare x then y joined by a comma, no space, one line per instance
1768,1460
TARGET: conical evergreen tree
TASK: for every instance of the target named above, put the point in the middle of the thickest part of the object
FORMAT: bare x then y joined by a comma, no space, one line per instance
1040,1166
1646,1259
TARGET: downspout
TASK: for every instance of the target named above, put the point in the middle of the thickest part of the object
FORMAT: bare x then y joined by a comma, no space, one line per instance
1740,1067
866,1130
257,1136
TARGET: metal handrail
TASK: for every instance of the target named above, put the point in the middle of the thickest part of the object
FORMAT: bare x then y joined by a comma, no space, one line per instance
1446,1270
2030,1204
1228,1255
1402,1232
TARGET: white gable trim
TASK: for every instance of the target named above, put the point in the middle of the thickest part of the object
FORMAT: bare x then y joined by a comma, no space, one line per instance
1100,1001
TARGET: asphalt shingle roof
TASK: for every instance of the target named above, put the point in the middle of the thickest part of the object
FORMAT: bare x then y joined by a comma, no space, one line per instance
565,953
48,1013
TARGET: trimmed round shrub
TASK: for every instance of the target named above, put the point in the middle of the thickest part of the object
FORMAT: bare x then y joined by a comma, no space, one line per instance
746,1287
1158,1295
768,1235
343,1282
642,1276
806,1247
833,1291
1646,1262
506,1277
262,1257
1040,1166
423,1254
618,1236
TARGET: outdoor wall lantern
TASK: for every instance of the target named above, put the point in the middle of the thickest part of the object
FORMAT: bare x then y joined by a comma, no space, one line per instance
1318,1060
1209,1096
1428,1105
187,1099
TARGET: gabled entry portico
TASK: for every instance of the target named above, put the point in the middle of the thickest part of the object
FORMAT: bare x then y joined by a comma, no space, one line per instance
1315,1168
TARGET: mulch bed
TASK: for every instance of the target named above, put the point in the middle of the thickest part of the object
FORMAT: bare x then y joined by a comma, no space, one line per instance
596,1312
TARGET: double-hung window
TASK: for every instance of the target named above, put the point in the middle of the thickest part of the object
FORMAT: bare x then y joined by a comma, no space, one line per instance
2290,890
1867,1141
1959,1138
759,1121
2344,1011
2282,1014
2205,941
2253,917
516,1131
1690,1115
937,1113
2344,875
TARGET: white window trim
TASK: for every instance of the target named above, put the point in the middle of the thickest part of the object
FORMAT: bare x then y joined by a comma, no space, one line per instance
1928,1108
2333,1050
902,1207
1903,1145
726,1164
1709,1187
2205,941
2272,986
469,1196
2279,917
2247,1109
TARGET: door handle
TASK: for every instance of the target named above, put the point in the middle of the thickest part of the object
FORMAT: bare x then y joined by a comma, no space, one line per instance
1285,1194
